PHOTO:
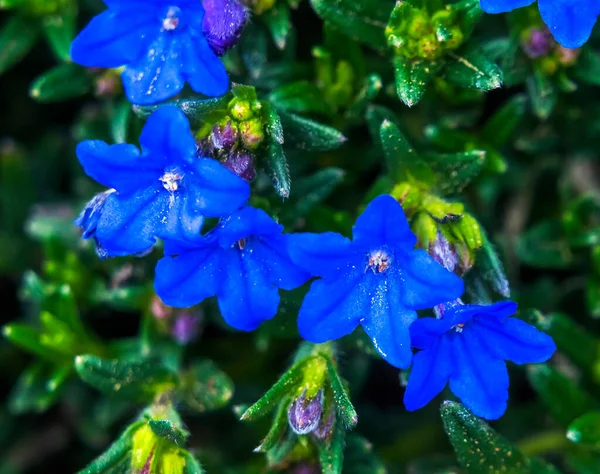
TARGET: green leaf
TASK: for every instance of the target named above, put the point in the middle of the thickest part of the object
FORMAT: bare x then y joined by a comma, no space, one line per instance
344,408
305,134
253,50
331,451
205,387
363,21
545,246
167,430
279,23
301,96
278,427
60,30
30,339
277,168
37,388
120,119
491,268
292,377
375,115
368,92
474,70
140,381
273,124
192,466
359,457
542,93
114,456
315,189
455,171
480,450
202,110
587,67
279,453
563,398
501,127
17,36
403,162
586,430
412,78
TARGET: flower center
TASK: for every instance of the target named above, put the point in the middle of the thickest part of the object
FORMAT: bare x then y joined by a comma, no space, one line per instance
379,261
171,180
459,327
241,244
171,21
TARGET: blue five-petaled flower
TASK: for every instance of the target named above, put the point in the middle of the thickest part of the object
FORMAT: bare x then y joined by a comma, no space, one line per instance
244,261
570,21
377,280
163,192
467,348
163,44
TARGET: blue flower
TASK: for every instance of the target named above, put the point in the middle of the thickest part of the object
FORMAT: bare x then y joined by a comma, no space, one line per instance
89,218
377,280
467,348
243,261
163,192
570,21
163,44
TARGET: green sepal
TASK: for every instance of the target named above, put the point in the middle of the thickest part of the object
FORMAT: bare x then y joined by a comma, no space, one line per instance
278,427
192,466
564,399
344,408
363,21
65,81
359,457
59,29
276,166
280,452
109,461
479,449
491,268
139,381
543,94
413,77
273,124
205,387
473,70
17,36
308,135
167,430
279,24
331,451
300,96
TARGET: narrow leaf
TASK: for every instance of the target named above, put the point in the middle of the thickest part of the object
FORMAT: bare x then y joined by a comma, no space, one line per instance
17,37
206,387
277,168
412,78
167,430
305,134
345,409
474,70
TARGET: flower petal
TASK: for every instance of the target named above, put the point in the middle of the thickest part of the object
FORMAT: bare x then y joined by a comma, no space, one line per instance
324,255
425,282
246,298
117,166
333,308
214,190
425,332
478,379
514,340
386,321
116,37
189,278
430,372
167,137
202,69
246,222
383,223
502,6
570,21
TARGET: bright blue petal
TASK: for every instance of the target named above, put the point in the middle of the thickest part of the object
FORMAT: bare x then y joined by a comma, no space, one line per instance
502,6
244,223
214,190
167,137
425,283
188,278
514,340
430,372
478,379
497,311
115,38
386,321
117,166
570,21
333,308
325,254
202,69
246,298
383,223
157,75
426,332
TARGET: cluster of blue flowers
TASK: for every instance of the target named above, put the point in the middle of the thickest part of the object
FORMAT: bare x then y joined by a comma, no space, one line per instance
570,21
167,189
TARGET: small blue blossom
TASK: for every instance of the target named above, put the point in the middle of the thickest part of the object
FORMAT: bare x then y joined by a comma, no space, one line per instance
89,218
376,280
244,261
570,21
163,192
163,44
467,348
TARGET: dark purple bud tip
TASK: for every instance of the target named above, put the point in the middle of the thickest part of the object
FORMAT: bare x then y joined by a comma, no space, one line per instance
538,43
186,327
241,162
223,23
304,414
225,136
325,427
443,252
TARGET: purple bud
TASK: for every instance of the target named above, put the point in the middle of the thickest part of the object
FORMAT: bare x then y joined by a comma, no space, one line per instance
223,23
241,162
304,415
442,252
325,427
304,468
186,327
538,43
223,137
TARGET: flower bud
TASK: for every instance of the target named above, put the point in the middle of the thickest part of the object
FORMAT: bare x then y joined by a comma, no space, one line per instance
567,57
223,23
538,43
304,414
224,136
241,162
442,252
252,133
325,426
185,327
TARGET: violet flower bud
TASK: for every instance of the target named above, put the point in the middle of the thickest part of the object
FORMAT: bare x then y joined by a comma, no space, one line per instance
538,43
443,253
223,23
186,327
241,162
304,415
325,426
